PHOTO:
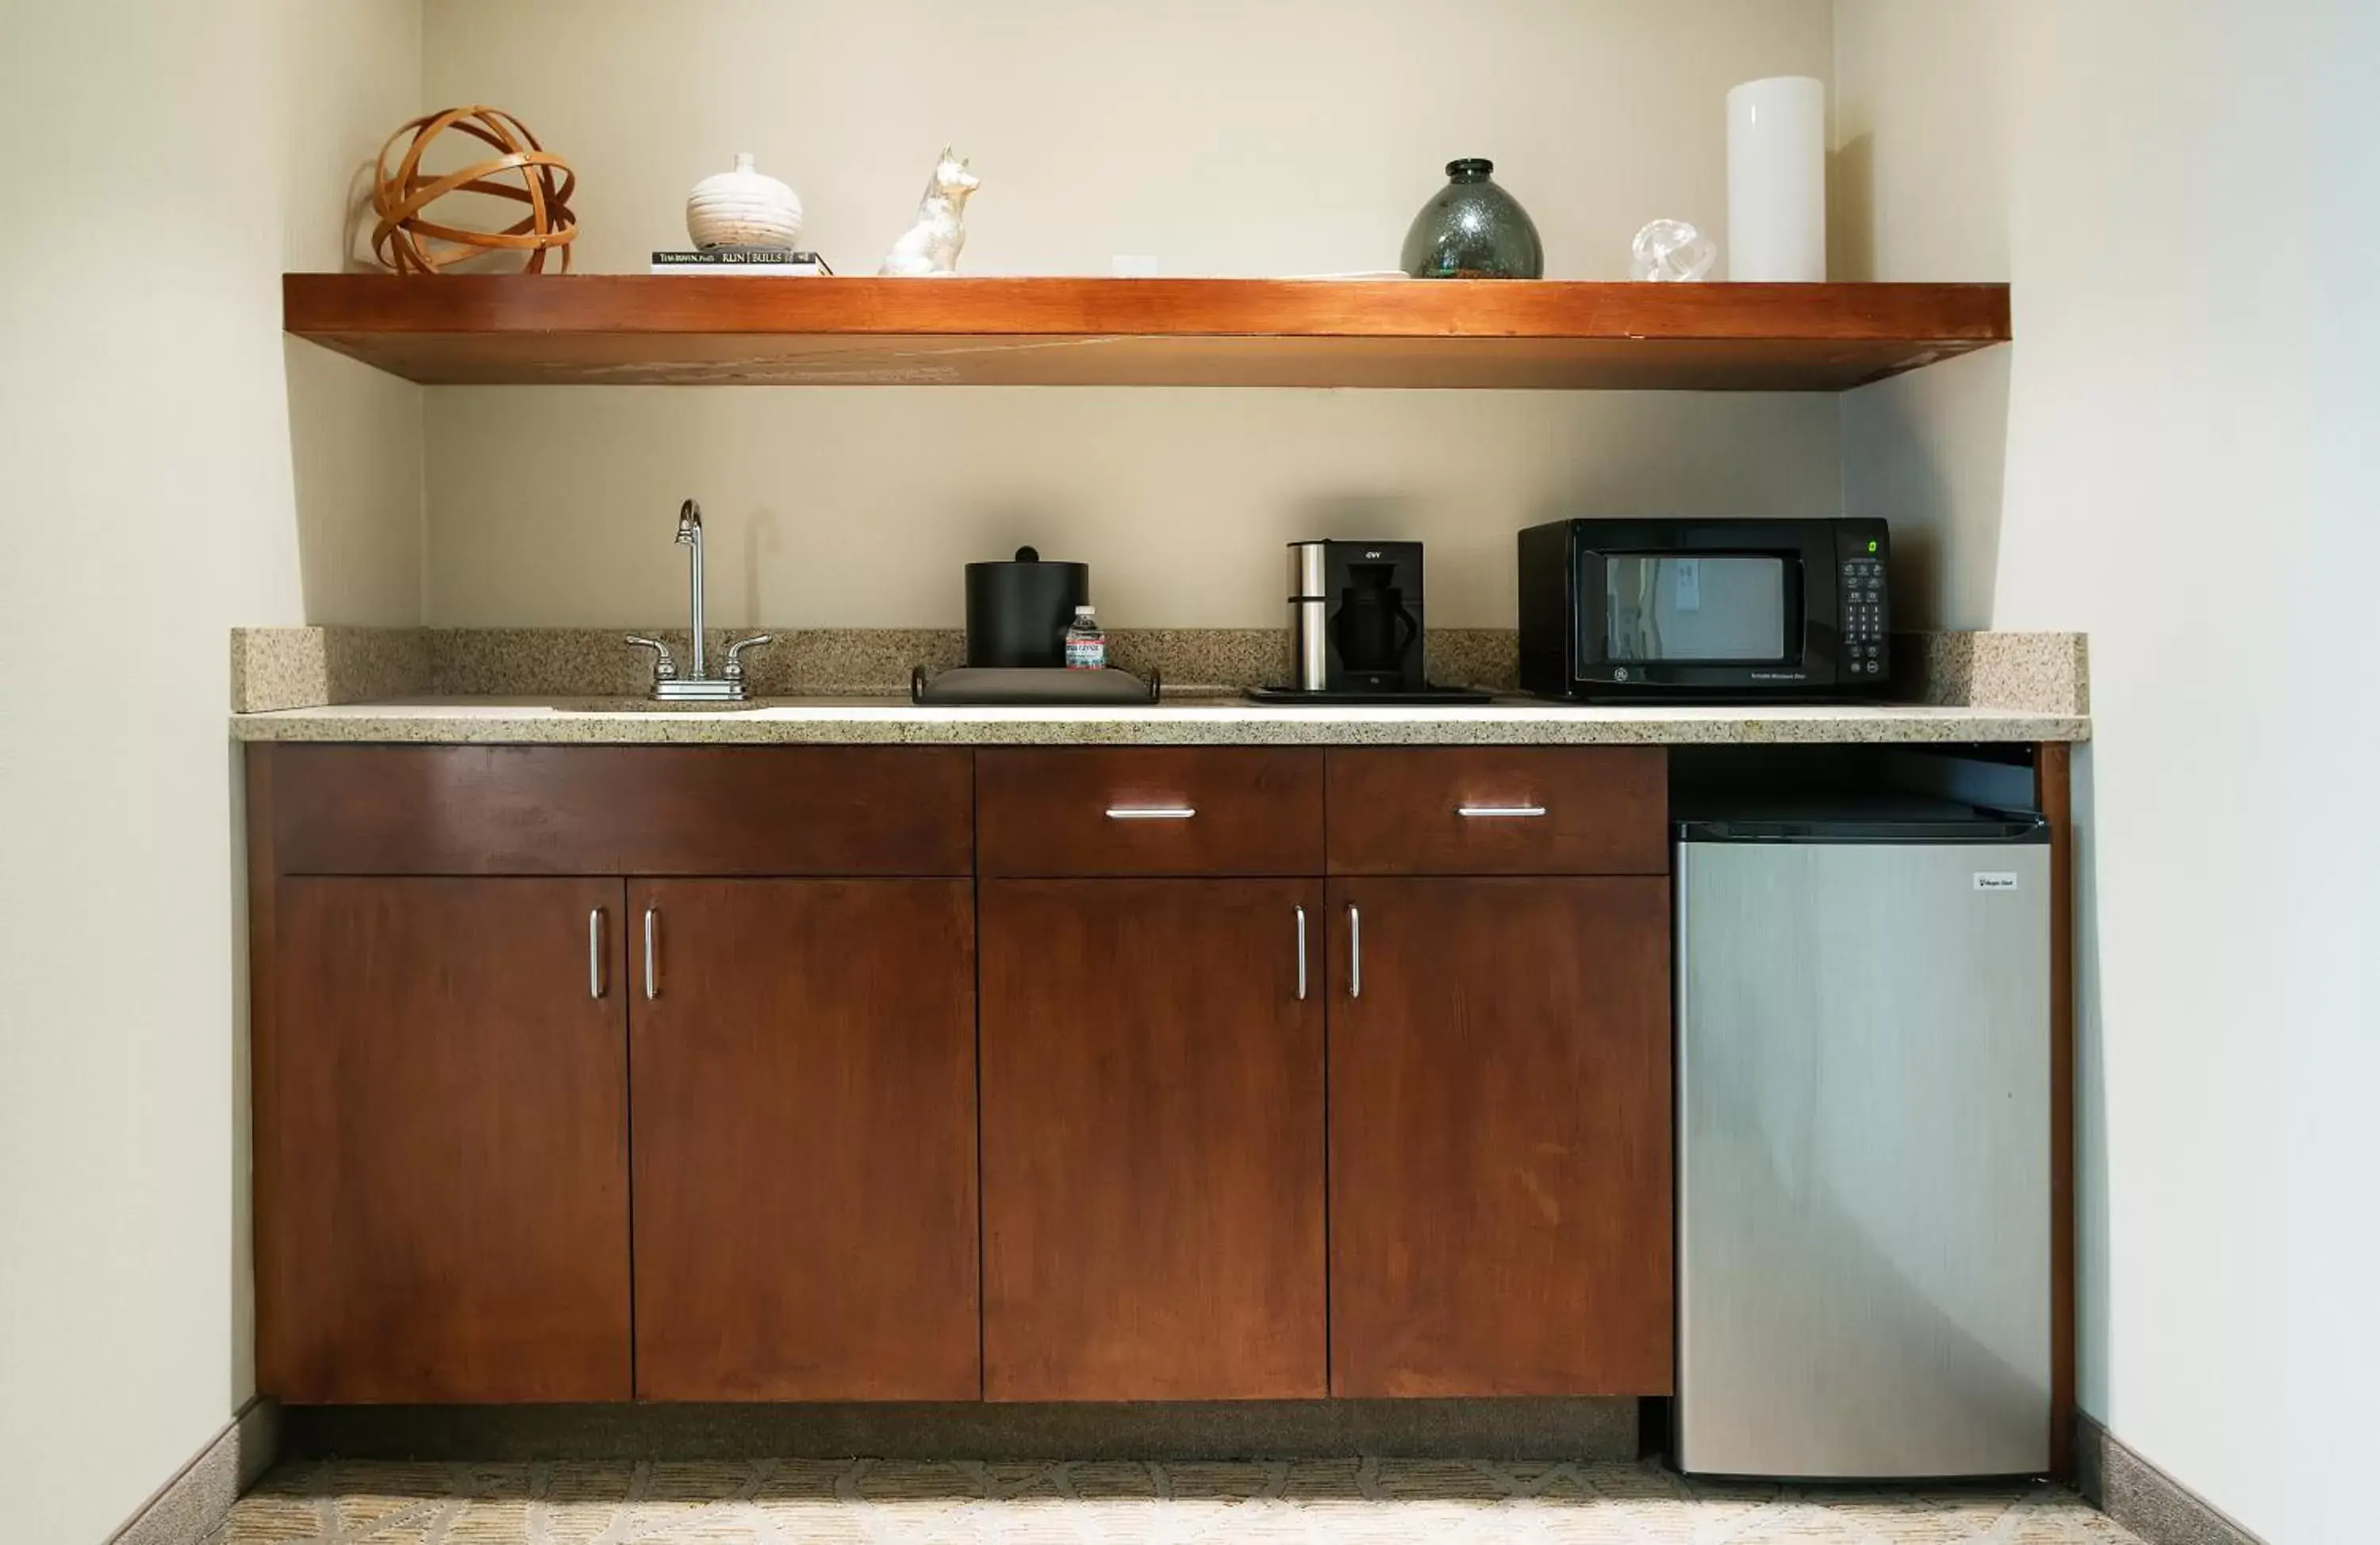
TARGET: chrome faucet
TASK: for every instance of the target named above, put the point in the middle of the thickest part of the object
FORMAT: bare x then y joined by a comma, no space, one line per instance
699,686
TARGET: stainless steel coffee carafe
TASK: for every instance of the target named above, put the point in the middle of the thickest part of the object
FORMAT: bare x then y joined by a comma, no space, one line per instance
1309,617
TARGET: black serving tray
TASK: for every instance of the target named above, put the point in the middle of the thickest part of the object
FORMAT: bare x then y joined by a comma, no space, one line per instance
981,686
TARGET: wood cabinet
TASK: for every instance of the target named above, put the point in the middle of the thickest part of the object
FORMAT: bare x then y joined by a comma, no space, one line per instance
1150,810
1500,1072
1499,810
1499,1137
1153,1139
620,810
444,1078
804,1101
443,1141
1117,1121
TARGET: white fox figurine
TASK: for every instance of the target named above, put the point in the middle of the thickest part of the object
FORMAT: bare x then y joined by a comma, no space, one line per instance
932,246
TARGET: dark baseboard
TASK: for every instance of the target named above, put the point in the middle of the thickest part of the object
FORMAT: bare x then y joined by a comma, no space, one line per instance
1233,1429
2145,1500
189,1508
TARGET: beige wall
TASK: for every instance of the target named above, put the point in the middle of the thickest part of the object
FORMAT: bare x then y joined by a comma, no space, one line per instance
2189,472
1918,184
1221,138
167,160
1224,137
855,508
1919,192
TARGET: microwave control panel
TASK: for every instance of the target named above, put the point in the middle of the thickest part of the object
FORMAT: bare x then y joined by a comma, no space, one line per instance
1863,616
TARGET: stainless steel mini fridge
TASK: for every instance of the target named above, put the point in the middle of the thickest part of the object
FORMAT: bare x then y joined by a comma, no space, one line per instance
1863,1216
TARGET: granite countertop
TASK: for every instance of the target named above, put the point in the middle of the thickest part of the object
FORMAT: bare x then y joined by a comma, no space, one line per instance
1196,721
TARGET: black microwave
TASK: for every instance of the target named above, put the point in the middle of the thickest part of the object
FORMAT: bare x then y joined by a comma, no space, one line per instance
1683,608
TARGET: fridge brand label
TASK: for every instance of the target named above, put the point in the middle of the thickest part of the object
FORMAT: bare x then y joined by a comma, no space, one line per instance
1994,879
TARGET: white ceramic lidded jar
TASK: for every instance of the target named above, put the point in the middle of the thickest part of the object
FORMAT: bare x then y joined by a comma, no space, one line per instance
742,208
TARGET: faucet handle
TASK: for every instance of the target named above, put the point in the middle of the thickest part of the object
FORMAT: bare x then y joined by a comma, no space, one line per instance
736,653
665,668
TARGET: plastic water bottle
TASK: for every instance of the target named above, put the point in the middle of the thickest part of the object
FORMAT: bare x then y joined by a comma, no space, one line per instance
1086,642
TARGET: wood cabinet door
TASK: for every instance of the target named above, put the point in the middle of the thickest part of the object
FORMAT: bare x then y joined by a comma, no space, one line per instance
1153,1141
805,1111
1499,1137
443,1142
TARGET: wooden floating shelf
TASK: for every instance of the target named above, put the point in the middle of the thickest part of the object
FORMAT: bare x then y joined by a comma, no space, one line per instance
638,330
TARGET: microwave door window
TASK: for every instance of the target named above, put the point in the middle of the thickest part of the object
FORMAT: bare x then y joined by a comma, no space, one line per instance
1667,606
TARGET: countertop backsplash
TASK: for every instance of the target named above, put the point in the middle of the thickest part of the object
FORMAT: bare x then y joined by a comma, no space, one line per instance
313,666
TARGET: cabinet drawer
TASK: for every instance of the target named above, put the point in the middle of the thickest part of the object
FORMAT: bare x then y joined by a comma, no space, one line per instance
619,810
1492,810
1149,811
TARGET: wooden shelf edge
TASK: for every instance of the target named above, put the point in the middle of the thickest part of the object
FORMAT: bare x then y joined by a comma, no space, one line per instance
635,329
349,303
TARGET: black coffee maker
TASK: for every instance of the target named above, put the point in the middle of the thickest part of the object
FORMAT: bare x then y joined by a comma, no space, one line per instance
1355,626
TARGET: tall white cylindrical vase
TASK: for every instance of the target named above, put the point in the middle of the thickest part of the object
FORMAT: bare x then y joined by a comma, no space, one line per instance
1777,180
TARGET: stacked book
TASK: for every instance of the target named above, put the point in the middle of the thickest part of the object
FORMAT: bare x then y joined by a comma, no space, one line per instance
760,261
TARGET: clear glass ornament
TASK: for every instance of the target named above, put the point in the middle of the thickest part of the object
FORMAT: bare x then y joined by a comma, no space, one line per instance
1671,251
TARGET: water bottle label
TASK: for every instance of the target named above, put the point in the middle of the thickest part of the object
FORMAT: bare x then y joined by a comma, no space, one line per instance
1086,653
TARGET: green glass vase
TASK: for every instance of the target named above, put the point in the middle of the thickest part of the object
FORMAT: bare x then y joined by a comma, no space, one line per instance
1473,230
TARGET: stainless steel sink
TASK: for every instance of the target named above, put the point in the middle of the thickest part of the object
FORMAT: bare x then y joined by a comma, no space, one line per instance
647,705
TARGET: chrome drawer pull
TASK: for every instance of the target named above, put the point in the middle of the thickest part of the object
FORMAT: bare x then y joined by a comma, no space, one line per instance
1355,951
1301,954
1149,813
652,975
1477,812
595,953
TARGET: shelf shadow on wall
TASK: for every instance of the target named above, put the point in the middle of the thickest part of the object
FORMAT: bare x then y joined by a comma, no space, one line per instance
1929,451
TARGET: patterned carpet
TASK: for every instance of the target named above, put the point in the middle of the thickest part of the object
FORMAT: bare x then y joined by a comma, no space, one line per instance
1350,1501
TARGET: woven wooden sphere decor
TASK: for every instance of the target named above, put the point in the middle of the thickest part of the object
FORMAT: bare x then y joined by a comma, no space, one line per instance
408,241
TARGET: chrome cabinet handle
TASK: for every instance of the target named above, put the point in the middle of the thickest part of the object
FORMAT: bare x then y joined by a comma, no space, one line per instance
652,931
1479,812
1301,954
1355,951
1150,813
595,953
